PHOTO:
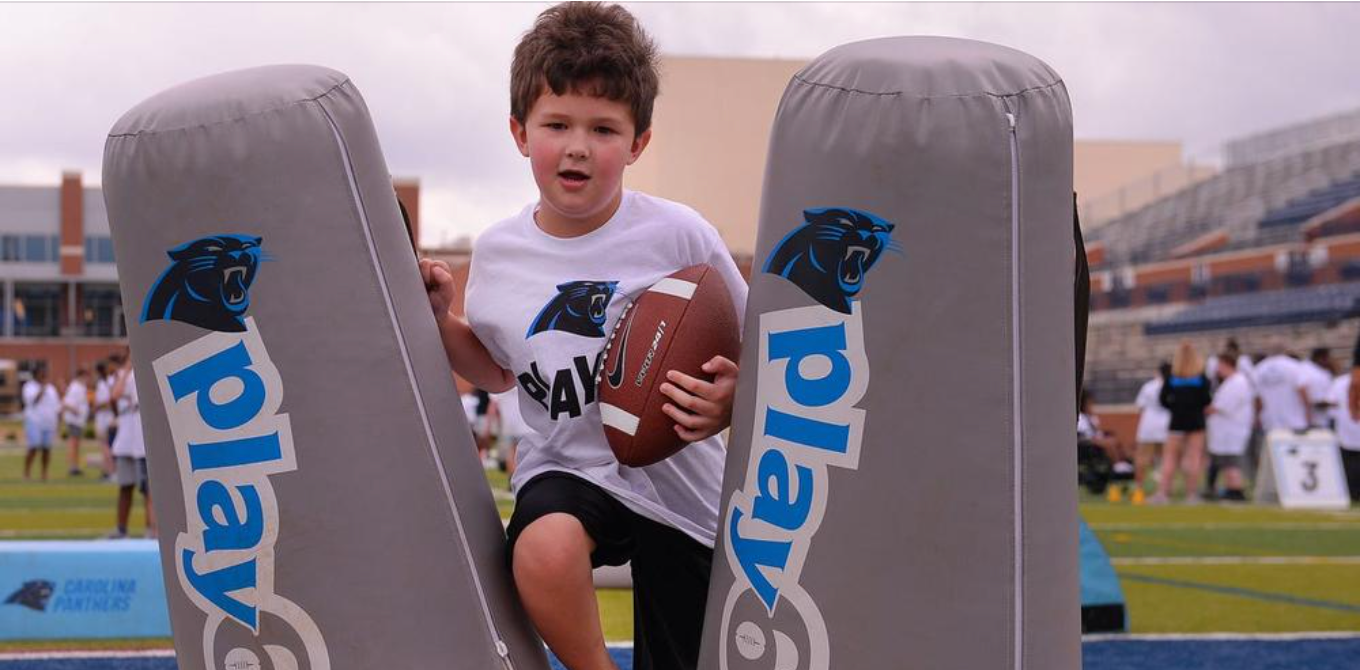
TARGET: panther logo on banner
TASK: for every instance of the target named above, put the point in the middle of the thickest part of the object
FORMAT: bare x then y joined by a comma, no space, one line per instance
34,595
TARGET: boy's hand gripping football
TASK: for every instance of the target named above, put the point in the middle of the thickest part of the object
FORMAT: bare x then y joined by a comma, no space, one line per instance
701,409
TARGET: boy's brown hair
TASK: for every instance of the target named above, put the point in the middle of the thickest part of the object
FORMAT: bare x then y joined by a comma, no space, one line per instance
586,44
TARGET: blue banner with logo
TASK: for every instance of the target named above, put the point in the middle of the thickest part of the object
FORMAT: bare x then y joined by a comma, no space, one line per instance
82,589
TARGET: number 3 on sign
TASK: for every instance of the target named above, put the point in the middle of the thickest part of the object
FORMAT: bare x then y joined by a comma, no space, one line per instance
1308,470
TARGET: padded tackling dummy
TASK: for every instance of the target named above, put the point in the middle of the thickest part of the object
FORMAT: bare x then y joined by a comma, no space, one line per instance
320,501
900,485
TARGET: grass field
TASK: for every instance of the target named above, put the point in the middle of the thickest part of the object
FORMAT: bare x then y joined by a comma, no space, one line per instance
1183,569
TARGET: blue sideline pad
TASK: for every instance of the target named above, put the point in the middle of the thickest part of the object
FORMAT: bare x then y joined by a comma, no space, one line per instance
1102,601
1201,654
82,589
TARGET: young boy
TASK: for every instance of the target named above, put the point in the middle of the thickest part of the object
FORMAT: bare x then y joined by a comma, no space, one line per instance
545,288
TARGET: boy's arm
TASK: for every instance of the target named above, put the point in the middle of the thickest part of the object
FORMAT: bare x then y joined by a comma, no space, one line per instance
467,355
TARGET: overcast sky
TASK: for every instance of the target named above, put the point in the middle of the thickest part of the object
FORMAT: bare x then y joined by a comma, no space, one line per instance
436,76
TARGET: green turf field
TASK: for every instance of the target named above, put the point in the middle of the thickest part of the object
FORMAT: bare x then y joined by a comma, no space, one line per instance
1183,569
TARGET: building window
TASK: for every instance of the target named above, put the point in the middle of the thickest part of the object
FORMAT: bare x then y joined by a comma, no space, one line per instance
99,249
37,310
9,248
39,248
101,311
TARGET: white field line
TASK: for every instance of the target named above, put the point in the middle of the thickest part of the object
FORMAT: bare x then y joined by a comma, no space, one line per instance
1226,526
74,655
97,509
1237,560
1211,637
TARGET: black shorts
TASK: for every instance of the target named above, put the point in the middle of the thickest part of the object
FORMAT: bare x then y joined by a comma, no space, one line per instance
670,569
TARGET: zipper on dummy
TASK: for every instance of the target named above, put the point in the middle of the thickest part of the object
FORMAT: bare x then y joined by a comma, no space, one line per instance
1017,464
502,650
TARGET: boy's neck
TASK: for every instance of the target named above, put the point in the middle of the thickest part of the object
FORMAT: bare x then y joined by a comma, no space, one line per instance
556,224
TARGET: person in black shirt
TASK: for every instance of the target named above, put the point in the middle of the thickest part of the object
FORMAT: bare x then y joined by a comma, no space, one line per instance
1186,394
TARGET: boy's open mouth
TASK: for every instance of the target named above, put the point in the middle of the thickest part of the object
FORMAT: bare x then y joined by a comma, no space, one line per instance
574,176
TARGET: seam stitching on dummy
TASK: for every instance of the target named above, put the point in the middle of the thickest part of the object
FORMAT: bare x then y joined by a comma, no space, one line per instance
236,119
800,79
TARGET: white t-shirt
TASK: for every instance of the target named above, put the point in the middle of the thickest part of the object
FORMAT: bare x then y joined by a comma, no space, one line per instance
1278,380
1153,420
1347,429
1318,383
103,417
41,404
128,441
1229,427
1088,426
470,407
519,282
77,397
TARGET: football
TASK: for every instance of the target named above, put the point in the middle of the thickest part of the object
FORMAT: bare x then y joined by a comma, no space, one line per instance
679,323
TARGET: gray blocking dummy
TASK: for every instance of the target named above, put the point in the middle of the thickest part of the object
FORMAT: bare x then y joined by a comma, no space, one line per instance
320,502
900,484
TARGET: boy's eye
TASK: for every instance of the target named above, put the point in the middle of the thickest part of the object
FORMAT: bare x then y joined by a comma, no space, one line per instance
555,125
605,130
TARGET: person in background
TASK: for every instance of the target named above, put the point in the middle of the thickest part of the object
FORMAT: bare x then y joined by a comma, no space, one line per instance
1153,423
41,406
103,411
129,453
470,403
1230,418
1088,430
1185,394
1342,395
481,425
1318,374
1281,386
75,412
510,428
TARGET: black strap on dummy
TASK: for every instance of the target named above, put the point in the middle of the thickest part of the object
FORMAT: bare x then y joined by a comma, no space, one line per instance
1081,294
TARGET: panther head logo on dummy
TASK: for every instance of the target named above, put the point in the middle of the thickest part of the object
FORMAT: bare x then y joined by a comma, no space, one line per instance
579,307
208,284
829,255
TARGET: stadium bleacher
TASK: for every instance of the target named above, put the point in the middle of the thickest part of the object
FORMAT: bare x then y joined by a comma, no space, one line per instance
1299,305
1315,202
1235,201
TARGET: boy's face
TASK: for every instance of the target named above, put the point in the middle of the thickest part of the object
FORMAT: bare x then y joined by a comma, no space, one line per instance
578,146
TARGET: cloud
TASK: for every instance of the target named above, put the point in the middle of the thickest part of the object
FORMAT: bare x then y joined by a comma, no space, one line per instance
436,76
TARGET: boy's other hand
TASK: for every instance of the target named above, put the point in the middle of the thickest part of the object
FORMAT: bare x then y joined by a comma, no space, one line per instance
701,409
438,280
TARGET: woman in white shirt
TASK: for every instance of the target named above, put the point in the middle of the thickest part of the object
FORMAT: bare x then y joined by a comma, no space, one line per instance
1229,423
1153,423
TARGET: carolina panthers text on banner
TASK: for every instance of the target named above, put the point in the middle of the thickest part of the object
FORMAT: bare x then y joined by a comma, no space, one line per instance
811,371
222,396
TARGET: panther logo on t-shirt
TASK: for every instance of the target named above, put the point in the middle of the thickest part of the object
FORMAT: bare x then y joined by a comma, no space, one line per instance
579,307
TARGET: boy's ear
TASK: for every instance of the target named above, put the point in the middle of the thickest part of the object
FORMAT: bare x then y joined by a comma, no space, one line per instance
521,135
639,143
